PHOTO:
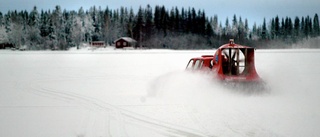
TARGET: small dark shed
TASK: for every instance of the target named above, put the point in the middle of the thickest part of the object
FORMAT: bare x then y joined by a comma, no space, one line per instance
97,44
6,45
125,42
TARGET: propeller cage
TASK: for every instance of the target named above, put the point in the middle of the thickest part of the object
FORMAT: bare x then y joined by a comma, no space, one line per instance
234,61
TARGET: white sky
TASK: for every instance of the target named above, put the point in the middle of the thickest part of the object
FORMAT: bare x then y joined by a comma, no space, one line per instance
253,10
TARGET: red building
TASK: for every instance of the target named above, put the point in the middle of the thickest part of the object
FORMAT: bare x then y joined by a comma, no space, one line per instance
97,44
124,42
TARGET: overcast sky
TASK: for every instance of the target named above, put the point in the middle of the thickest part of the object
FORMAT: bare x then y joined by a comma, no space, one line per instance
253,10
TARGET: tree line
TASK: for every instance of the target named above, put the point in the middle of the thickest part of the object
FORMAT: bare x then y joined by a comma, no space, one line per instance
185,28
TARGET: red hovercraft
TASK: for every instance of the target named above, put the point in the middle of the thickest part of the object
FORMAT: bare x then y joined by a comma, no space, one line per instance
233,64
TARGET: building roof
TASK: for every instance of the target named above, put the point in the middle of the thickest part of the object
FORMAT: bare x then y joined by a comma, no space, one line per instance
127,39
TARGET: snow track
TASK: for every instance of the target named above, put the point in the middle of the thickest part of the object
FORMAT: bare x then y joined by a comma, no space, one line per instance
109,119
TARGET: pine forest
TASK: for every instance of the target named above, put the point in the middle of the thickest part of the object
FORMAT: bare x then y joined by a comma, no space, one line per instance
152,27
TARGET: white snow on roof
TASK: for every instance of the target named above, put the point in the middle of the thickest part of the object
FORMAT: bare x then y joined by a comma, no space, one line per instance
128,39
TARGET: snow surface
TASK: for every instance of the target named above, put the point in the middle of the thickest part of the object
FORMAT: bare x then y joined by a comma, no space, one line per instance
137,93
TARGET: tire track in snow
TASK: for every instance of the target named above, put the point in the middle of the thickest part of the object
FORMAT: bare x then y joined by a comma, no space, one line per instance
114,115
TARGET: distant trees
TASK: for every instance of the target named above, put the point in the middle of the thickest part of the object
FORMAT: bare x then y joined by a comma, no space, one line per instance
316,27
157,27
287,29
3,33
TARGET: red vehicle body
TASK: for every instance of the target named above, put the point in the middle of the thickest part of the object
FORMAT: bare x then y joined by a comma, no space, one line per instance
231,62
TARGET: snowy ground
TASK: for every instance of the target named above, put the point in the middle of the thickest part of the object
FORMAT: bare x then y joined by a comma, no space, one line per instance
104,93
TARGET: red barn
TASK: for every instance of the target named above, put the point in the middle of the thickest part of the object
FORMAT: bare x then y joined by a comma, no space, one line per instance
97,44
124,42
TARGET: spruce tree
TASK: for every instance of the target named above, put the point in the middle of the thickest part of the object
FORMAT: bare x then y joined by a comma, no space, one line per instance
209,30
215,25
227,30
282,28
202,22
44,22
273,30
138,28
246,28
302,26
171,20
241,30
183,20
193,21
277,27
1,19
306,27
33,29
296,28
157,18
254,33
264,29
234,26
148,23
130,24
288,28
316,28
177,20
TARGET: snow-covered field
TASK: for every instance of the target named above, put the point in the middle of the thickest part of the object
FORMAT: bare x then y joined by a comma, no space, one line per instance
147,93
